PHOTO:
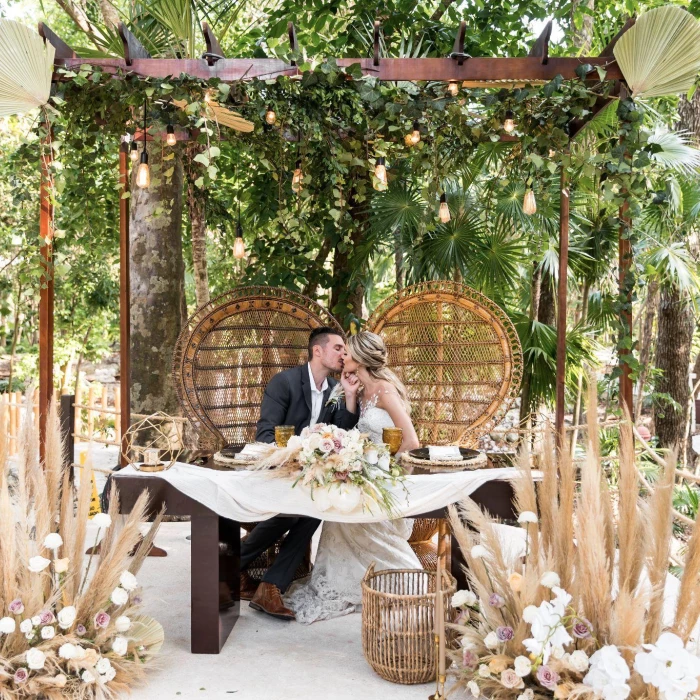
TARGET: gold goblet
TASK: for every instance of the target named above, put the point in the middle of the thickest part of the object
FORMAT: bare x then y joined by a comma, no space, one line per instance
282,434
393,437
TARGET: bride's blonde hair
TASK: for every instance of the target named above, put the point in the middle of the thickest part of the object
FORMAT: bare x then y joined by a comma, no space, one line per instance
369,350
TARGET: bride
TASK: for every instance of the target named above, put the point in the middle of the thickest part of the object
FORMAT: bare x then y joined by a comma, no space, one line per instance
347,549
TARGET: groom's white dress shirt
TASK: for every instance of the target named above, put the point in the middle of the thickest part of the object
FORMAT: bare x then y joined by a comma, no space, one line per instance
316,397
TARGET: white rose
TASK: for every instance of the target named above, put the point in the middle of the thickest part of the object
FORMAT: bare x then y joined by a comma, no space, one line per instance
522,666
66,617
372,456
463,599
48,632
119,596
491,640
88,677
530,613
38,563
102,520
36,659
120,645
67,651
474,689
527,516
550,579
7,625
578,661
122,624
103,665
111,673
479,551
314,441
36,620
53,541
26,626
29,635
558,652
294,442
128,581
60,566
484,671
384,462
527,695
80,652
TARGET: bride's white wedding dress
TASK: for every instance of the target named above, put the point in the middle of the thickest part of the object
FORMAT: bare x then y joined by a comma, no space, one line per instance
347,549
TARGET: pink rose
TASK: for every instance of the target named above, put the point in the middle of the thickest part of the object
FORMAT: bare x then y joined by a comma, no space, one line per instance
80,630
496,600
547,677
338,444
510,679
21,675
16,607
505,634
46,617
469,659
582,628
341,476
102,619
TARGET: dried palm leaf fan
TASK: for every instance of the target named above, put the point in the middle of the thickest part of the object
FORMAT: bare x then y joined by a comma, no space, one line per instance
223,116
660,54
26,66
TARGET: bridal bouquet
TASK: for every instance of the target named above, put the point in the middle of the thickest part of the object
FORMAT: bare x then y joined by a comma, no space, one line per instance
343,469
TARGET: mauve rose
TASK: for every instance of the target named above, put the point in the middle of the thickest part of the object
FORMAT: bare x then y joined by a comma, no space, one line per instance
16,607
547,677
581,628
102,619
505,634
80,630
469,658
21,675
496,600
341,476
338,444
137,600
46,617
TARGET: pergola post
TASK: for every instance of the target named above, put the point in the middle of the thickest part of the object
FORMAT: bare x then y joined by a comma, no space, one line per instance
561,307
124,301
46,293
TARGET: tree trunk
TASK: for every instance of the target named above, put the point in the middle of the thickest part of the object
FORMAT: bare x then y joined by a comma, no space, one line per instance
585,293
535,294
583,36
398,261
196,205
547,310
158,305
645,342
673,345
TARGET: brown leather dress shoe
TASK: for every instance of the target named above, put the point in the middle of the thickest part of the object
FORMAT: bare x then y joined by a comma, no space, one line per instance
268,599
248,586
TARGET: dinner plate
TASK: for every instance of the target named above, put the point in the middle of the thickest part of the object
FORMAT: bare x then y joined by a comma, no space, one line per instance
424,453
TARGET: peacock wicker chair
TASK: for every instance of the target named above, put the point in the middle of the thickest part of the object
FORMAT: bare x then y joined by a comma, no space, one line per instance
460,358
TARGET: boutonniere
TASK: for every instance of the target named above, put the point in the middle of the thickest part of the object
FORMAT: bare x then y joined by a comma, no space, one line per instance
337,395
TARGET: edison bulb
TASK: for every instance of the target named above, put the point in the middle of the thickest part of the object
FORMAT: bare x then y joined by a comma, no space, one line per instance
444,212
239,248
509,122
415,134
134,151
170,139
453,88
270,116
529,203
297,177
380,170
408,139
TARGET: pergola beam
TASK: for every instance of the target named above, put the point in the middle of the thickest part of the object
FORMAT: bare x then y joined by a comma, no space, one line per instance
540,48
62,49
214,51
133,48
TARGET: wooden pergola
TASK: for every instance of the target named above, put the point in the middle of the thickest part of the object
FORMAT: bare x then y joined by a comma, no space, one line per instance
535,68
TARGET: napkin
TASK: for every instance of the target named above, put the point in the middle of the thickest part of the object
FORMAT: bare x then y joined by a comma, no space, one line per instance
253,451
444,452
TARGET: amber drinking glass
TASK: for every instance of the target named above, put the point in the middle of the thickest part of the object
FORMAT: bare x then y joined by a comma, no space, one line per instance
393,437
282,434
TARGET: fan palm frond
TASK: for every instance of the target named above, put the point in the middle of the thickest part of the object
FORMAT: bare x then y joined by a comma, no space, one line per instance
672,149
398,208
672,263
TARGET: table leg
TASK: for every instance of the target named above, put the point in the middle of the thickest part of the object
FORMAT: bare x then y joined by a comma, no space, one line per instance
457,563
215,570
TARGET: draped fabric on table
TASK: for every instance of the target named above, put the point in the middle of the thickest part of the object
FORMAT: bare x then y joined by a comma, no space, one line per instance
252,496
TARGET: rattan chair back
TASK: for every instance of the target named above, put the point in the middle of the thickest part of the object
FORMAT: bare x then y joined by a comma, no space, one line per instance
229,351
458,354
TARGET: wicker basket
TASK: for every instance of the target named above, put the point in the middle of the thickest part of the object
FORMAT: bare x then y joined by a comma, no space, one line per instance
398,628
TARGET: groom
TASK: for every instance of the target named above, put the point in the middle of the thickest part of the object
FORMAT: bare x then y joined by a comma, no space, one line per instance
297,397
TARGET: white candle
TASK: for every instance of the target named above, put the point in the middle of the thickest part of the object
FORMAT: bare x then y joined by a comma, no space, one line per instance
151,456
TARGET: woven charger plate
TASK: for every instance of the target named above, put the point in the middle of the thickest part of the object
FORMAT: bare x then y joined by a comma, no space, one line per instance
232,463
479,461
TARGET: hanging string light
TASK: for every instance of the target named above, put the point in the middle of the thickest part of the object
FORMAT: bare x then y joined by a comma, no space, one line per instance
143,174
444,211
170,138
509,122
552,153
270,116
239,244
529,203
134,151
415,134
380,170
453,88
297,177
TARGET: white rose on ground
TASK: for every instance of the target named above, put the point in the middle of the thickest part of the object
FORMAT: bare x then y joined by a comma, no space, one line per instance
608,674
36,620
60,566
38,563
484,671
103,665
7,625
53,541
80,652
66,617
26,626
550,579
111,673
462,599
36,659
122,624
119,596
102,520
479,551
88,676
48,632
522,665
527,516
68,651
491,640
578,661
128,581
474,689
120,645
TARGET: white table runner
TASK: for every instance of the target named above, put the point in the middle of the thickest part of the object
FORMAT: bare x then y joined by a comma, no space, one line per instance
252,496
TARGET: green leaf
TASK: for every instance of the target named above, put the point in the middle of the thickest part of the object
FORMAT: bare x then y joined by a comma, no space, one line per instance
201,158
214,152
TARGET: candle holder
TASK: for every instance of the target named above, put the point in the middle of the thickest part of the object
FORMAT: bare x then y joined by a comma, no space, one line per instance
282,434
393,437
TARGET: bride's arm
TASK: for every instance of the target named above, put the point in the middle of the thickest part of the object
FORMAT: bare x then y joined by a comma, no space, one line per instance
391,402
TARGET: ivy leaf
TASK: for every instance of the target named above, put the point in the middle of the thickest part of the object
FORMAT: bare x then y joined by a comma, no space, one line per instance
213,171
169,172
214,152
199,182
201,158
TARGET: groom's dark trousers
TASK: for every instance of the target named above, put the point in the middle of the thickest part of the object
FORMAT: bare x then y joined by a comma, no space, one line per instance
287,401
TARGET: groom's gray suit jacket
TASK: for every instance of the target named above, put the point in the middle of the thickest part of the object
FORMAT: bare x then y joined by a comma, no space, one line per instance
287,401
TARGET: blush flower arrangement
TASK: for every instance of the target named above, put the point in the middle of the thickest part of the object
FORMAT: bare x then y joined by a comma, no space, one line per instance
342,469
67,629
578,611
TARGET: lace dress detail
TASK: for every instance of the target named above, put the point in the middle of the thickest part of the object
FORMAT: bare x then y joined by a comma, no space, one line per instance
347,549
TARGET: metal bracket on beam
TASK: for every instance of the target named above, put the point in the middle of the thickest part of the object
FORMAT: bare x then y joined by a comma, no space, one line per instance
133,48
377,29
292,40
458,49
214,51
541,47
608,50
62,49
